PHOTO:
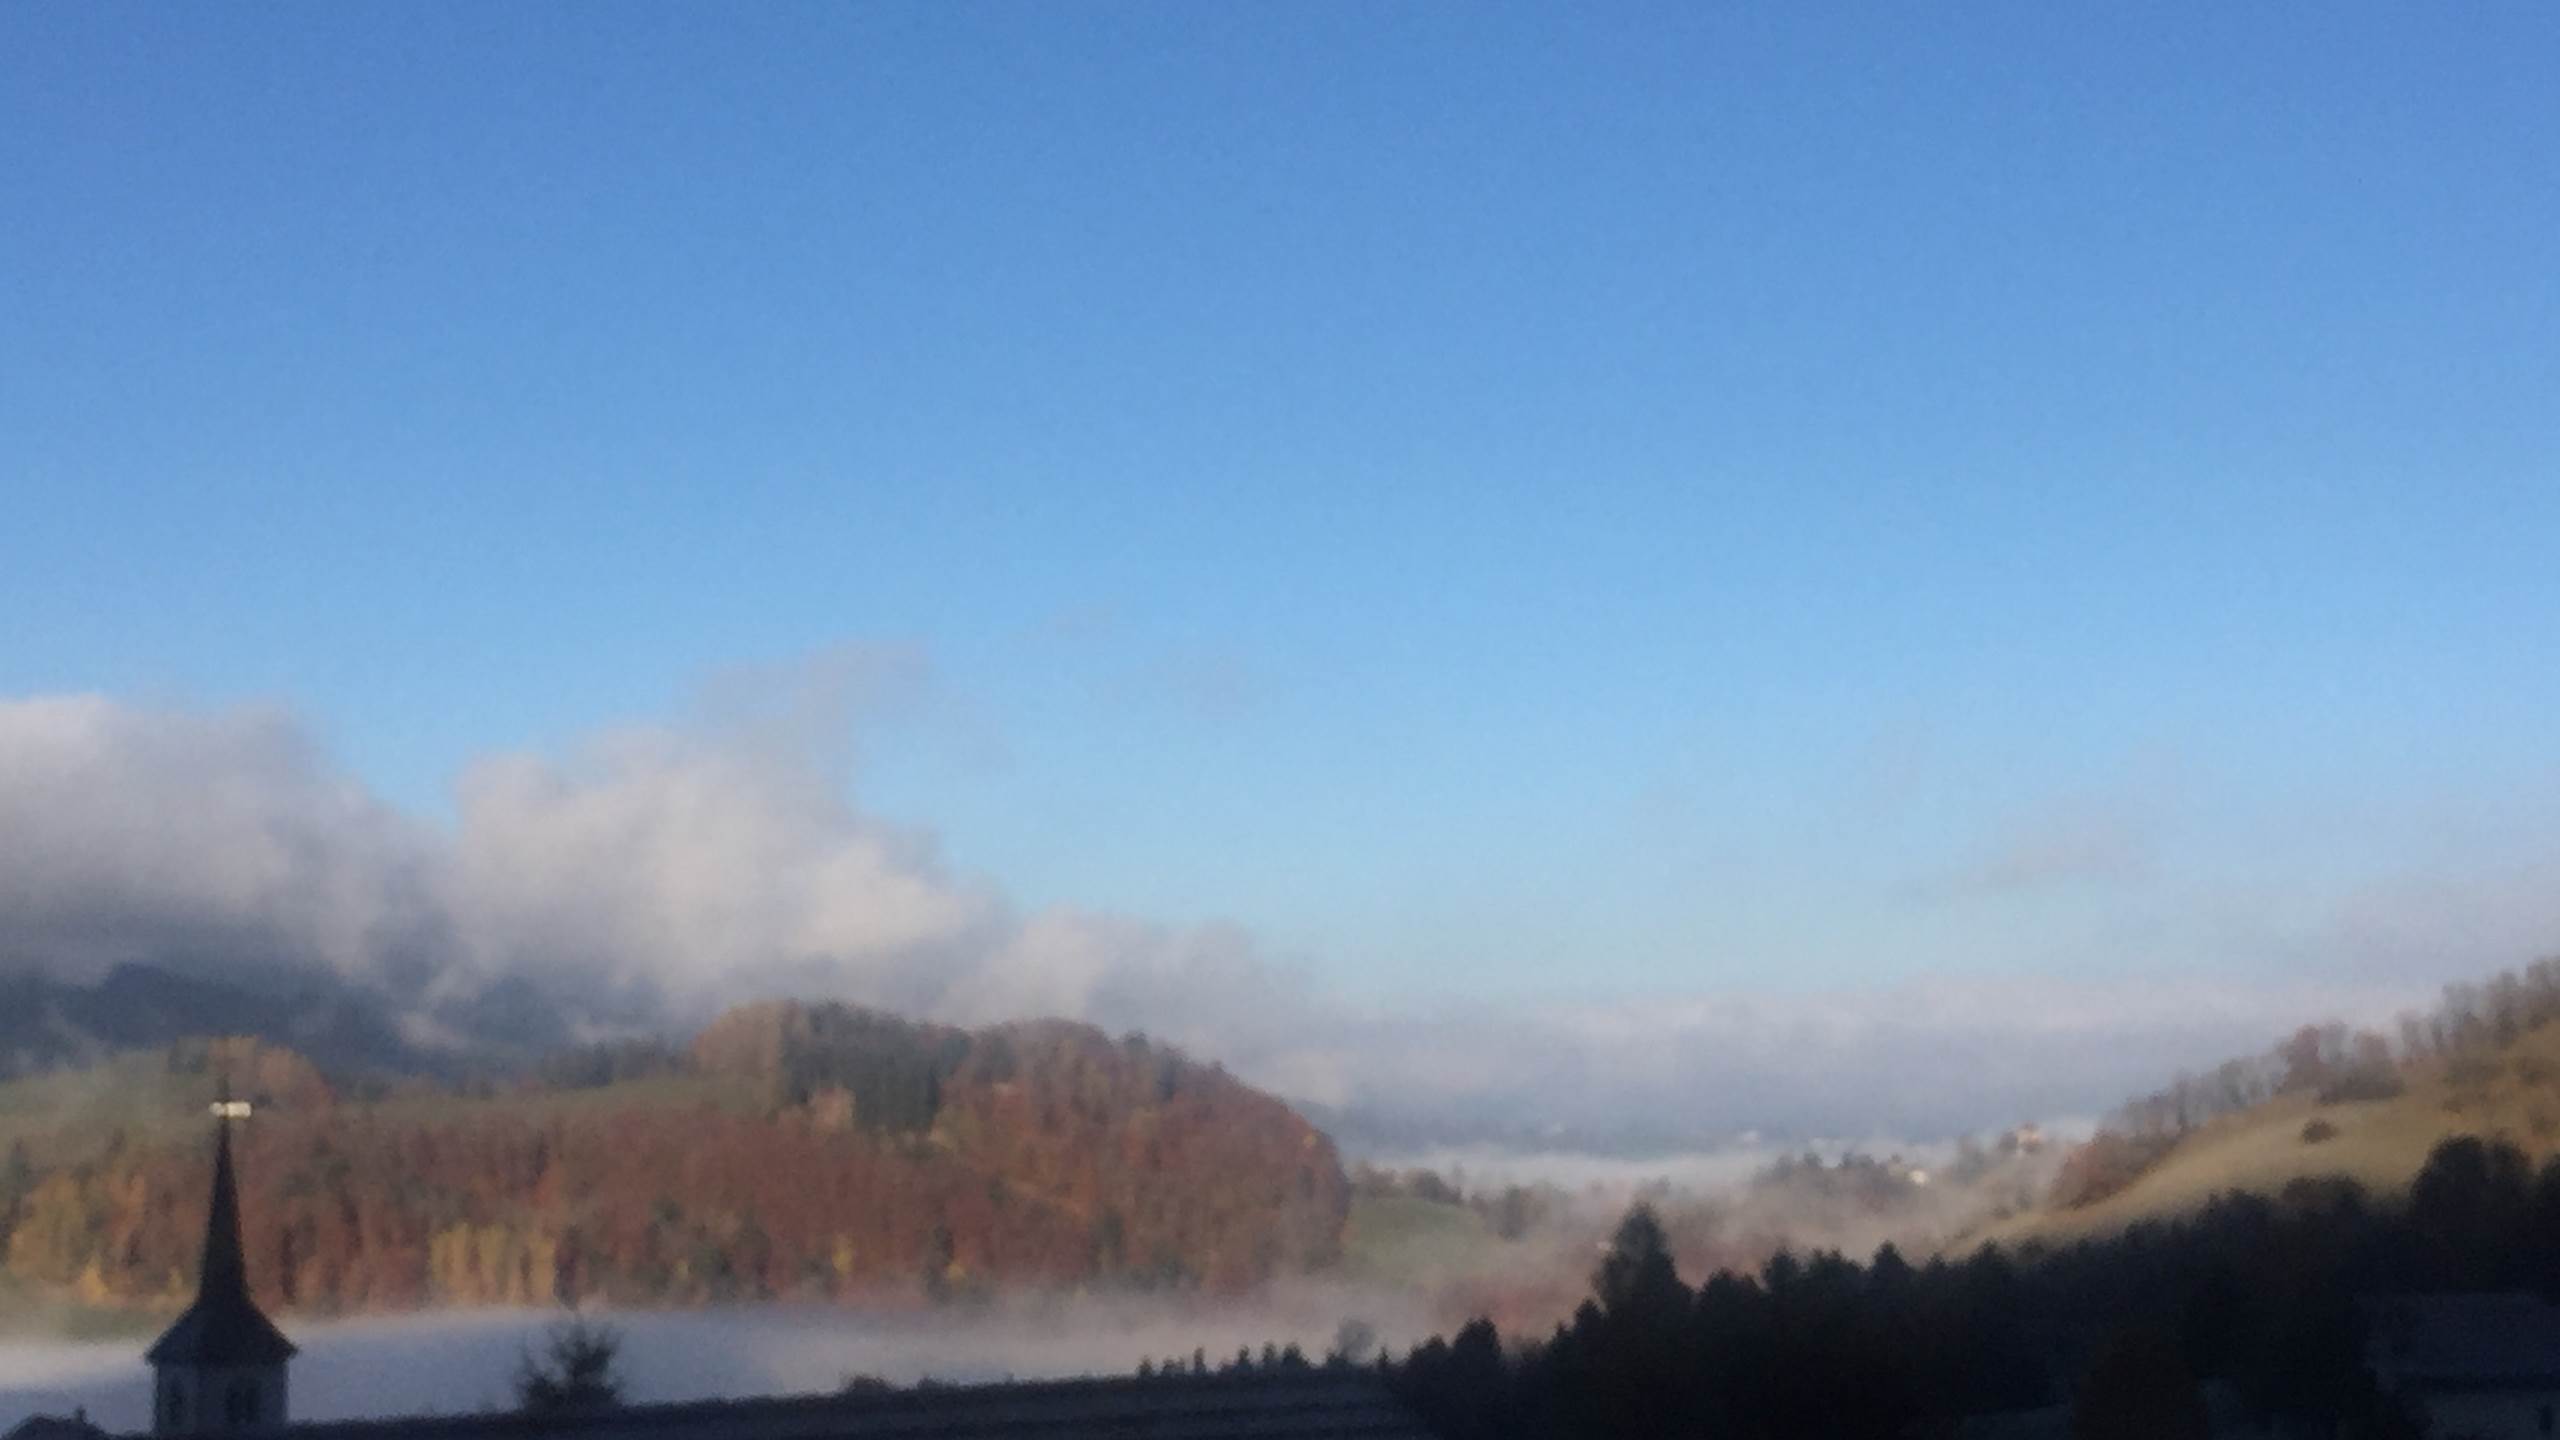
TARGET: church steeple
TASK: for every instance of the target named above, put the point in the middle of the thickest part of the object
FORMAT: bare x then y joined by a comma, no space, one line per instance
221,1366
225,1277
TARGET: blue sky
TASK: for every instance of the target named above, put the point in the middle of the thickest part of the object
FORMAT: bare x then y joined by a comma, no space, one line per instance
1495,499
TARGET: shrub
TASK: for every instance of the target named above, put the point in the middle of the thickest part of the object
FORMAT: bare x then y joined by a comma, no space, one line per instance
2108,1163
574,1373
2316,1130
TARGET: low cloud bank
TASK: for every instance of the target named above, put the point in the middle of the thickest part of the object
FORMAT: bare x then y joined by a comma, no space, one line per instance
1614,1181
659,873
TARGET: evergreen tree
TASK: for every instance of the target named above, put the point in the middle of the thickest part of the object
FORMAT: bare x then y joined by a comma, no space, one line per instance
575,1372
1637,1281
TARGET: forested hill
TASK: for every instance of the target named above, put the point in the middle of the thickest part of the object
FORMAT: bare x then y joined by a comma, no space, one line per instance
811,1151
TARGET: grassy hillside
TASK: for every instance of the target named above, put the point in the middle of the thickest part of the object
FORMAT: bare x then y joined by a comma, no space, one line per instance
1405,1240
2510,1093
1454,1258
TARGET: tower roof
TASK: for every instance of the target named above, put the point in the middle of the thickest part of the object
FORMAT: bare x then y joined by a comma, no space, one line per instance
224,1326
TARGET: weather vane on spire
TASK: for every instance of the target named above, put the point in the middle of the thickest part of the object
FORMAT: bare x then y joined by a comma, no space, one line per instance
224,1107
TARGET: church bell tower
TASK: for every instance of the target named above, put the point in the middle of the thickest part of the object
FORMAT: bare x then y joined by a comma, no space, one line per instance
220,1368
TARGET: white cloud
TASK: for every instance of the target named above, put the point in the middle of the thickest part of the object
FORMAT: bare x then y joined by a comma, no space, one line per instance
658,873
129,834
661,866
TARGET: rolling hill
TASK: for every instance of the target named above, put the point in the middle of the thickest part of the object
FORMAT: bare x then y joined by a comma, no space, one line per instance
811,1151
2495,1076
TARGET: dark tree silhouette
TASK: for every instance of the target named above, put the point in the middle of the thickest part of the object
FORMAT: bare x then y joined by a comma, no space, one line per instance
2139,1389
575,1371
1637,1281
2467,1203
2257,1294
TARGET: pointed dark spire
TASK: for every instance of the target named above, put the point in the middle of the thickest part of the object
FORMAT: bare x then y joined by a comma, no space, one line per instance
224,1326
226,1274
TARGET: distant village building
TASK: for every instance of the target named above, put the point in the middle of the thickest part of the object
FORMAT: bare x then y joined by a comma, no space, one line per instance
2486,1366
221,1370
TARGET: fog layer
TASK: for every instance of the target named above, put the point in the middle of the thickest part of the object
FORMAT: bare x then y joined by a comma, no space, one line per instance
463,1360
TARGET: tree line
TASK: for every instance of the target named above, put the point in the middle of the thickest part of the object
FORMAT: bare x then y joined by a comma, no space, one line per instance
2260,1294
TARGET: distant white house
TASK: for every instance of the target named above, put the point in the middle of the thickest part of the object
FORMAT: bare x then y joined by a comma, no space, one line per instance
2485,1366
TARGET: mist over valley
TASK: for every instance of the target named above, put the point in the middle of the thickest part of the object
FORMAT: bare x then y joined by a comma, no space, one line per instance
1278,720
